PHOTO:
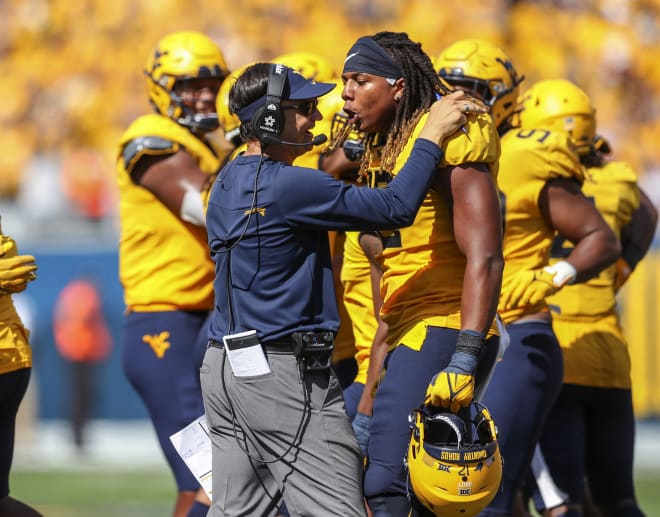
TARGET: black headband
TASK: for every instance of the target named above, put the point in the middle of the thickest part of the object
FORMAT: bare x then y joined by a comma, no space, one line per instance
367,56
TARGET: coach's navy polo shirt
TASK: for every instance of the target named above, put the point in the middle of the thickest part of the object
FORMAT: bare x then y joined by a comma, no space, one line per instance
271,251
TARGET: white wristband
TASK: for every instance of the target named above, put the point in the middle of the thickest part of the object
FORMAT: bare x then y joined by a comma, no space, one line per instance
192,207
562,273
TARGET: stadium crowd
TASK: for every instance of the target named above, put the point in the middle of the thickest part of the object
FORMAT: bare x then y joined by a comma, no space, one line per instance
71,70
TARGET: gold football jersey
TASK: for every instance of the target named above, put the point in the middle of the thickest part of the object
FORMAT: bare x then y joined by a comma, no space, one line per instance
15,351
423,267
585,318
164,262
344,340
358,300
530,158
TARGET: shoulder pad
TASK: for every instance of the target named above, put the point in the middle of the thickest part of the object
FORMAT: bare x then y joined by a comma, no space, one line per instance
146,145
548,154
477,141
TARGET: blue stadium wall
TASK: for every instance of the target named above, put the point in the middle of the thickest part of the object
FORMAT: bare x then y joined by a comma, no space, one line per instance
114,398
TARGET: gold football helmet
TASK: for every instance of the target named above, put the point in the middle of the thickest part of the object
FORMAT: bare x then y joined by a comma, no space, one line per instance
559,105
311,66
484,70
178,57
454,463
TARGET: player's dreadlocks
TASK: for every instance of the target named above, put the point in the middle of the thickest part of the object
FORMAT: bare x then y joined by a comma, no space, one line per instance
422,84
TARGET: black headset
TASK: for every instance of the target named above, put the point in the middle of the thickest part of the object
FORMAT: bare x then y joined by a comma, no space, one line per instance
268,121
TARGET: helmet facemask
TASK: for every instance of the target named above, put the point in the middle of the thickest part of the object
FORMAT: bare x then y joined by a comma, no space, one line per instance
203,122
181,56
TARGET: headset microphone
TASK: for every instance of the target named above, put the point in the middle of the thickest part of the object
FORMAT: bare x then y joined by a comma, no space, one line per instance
317,140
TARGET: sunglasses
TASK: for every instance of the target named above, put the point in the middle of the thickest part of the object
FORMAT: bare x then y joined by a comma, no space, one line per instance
305,108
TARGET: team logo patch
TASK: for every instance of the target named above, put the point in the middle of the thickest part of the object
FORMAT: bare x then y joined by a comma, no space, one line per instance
256,210
158,342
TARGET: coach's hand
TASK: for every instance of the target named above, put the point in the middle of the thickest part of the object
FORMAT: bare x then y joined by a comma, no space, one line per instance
448,114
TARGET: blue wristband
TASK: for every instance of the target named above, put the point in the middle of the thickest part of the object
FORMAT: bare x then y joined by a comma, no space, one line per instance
462,362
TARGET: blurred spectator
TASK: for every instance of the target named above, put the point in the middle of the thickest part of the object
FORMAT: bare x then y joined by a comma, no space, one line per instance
67,90
83,340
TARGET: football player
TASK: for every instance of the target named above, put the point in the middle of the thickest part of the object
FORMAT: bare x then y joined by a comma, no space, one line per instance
229,123
441,276
597,380
539,180
165,166
16,271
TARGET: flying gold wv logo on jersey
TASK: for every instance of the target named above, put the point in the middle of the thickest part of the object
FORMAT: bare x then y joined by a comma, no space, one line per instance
158,342
256,210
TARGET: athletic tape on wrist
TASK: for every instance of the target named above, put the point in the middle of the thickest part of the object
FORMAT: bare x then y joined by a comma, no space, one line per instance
562,272
470,342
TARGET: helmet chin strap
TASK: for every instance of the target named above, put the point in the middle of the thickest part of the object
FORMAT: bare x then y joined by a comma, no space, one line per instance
204,122
450,421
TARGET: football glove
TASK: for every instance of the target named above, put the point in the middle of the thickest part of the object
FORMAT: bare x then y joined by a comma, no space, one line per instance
16,272
450,390
532,286
453,387
361,428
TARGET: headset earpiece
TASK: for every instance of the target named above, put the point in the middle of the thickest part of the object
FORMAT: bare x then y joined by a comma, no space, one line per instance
268,121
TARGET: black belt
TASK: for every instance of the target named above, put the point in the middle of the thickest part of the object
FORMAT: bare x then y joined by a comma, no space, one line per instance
282,345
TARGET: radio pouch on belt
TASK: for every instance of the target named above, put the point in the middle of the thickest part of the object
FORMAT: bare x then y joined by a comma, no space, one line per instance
313,349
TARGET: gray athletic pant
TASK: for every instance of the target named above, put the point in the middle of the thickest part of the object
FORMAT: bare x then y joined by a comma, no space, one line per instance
305,443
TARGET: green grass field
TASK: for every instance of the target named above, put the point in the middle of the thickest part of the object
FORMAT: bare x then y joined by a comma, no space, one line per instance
96,493
150,493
